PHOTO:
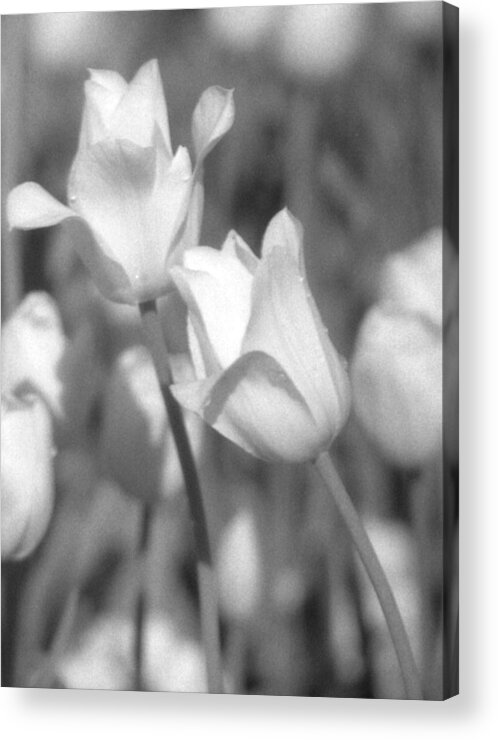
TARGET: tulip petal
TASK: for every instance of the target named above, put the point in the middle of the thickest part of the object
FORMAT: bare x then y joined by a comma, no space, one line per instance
29,206
103,93
112,82
189,235
256,405
133,213
285,323
236,247
213,117
107,274
284,228
141,108
216,286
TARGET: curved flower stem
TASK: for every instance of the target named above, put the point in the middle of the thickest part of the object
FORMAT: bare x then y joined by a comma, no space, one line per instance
146,519
376,574
205,573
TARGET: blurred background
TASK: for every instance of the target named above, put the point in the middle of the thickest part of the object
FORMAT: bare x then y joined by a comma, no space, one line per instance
339,116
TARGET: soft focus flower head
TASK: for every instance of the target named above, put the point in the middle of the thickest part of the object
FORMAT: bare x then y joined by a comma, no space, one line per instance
268,377
239,567
397,369
172,661
134,425
138,450
412,280
135,204
27,475
397,381
38,358
320,41
33,344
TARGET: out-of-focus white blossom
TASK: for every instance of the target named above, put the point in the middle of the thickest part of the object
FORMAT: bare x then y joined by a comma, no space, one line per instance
137,206
103,660
138,449
411,280
318,41
239,567
38,358
397,378
27,487
268,376
33,344
397,367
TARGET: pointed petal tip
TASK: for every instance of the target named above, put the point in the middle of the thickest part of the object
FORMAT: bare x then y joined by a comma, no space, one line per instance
288,217
149,69
29,206
212,118
284,230
231,238
181,163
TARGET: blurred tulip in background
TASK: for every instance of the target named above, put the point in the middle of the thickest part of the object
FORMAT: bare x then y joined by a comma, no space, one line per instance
33,344
239,567
27,475
138,451
397,368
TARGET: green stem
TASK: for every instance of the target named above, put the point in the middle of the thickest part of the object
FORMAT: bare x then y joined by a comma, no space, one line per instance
376,574
205,572
146,519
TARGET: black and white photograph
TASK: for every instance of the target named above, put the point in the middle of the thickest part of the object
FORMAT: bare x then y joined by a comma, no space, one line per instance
230,350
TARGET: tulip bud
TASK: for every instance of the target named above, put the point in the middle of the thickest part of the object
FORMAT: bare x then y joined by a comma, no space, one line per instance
239,567
138,449
33,344
268,377
135,205
397,382
27,475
